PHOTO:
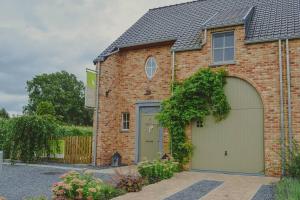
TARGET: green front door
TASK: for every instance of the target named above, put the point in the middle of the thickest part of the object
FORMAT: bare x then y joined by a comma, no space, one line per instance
149,134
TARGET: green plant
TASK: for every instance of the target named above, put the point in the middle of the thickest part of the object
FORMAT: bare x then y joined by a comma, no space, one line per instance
157,170
195,98
45,108
4,114
130,182
83,186
68,130
30,137
5,136
288,189
293,162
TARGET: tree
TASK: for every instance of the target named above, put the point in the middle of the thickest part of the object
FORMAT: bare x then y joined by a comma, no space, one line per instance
4,114
64,92
45,108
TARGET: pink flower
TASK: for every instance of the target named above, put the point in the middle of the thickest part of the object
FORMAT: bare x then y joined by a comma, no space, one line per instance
93,190
67,187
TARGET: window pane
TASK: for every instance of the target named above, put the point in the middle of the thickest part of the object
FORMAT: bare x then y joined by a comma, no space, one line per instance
149,72
229,39
229,54
218,40
150,67
125,121
218,55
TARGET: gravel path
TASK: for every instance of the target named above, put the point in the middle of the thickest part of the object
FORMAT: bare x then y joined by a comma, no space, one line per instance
20,182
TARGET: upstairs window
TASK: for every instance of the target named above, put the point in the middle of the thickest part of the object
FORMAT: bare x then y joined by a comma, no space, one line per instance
125,121
223,47
150,67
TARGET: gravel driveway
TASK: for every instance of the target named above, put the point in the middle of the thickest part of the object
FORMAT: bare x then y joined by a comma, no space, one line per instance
20,182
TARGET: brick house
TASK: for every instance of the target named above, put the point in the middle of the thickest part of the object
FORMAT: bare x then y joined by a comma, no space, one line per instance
258,43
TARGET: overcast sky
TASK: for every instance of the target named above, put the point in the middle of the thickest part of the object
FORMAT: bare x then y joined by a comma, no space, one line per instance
43,36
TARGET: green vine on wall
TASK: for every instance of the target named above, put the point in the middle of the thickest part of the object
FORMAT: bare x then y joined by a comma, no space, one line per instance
200,95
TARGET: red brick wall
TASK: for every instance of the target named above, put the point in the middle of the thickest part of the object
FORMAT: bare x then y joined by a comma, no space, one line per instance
123,73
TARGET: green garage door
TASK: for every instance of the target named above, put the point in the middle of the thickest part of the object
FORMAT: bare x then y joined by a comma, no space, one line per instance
236,143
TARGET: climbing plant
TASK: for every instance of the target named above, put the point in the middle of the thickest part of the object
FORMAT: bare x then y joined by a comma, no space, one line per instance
195,98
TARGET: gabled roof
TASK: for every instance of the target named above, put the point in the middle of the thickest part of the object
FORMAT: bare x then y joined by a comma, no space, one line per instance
264,20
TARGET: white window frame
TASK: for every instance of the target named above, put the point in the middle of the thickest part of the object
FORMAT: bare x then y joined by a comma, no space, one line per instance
125,121
223,48
146,67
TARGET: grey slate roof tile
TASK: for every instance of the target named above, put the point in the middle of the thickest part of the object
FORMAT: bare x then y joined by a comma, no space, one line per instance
183,23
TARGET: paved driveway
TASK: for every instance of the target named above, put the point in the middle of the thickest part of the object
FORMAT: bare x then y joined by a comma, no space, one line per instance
207,186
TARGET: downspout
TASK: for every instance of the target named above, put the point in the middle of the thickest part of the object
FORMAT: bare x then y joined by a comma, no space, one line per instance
172,88
282,136
173,69
97,114
288,74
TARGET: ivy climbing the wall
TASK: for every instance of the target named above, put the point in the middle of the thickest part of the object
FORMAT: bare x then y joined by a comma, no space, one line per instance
200,95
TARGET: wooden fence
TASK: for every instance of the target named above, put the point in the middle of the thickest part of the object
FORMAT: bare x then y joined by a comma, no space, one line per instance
78,150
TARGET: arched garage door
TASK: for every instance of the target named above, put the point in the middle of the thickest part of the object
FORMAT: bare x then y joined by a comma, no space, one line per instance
236,143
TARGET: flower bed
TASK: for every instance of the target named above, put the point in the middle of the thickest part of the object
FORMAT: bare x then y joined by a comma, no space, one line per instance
157,170
83,186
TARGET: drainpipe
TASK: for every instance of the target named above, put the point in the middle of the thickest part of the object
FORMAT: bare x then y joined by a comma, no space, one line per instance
172,89
97,114
288,74
282,136
173,69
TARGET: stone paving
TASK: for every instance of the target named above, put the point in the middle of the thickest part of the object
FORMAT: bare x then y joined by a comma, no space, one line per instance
234,187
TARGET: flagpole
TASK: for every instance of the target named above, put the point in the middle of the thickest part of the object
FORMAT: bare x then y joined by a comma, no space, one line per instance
96,116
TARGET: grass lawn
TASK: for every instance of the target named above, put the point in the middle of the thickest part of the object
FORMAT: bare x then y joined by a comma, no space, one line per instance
288,189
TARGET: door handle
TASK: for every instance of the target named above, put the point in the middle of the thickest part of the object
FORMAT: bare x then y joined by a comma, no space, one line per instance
148,140
225,153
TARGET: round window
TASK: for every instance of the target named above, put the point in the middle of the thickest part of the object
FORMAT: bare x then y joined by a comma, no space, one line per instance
150,67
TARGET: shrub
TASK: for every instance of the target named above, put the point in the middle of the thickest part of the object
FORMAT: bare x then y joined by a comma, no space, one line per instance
45,108
65,130
157,170
83,186
3,131
288,189
5,136
293,164
130,182
30,135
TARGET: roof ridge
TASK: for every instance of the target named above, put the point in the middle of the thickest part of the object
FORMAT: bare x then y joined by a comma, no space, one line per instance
188,2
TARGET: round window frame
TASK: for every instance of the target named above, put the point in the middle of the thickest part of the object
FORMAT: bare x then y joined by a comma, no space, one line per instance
146,63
